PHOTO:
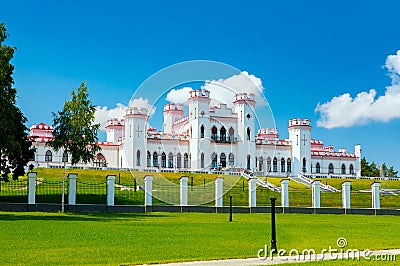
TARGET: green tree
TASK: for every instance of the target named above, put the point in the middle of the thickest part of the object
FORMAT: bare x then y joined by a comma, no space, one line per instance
371,169
74,131
391,172
15,148
365,168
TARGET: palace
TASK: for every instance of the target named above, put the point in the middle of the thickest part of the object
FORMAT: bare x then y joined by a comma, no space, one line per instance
209,138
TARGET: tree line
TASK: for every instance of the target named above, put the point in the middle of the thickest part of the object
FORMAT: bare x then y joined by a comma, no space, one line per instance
373,170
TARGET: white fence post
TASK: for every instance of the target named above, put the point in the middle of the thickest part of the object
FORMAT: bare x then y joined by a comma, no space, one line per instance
72,188
110,190
285,192
219,182
346,194
252,183
376,202
32,187
316,194
148,190
184,190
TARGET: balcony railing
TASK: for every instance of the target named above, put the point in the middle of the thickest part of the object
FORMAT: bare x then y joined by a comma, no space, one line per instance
219,139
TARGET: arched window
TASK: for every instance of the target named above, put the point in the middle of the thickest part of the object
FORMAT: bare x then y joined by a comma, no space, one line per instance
343,169
163,160
330,169
275,165
231,159
222,134
351,169
318,168
100,160
248,162
269,164
202,160
304,165
48,156
282,165
179,160
260,164
231,137
289,165
222,160
202,132
155,159
214,133
137,158
170,160
214,159
65,157
148,159
248,133
185,161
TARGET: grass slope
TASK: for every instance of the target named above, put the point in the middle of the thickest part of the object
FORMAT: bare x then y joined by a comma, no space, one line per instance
114,239
91,189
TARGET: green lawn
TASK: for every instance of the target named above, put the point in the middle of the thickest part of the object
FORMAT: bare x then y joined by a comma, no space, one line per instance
114,239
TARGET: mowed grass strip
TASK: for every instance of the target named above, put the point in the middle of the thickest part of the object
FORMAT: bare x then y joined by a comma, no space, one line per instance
114,239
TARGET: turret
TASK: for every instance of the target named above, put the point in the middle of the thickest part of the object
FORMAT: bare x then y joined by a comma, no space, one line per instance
135,141
299,134
115,130
357,153
199,123
245,109
172,113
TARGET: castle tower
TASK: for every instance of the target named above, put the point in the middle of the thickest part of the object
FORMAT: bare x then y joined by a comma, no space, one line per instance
199,121
245,109
357,153
299,134
172,113
135,140
115,130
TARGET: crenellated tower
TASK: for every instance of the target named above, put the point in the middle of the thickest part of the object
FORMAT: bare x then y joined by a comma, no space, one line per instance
245,104
172,113
115,130
299,134
199,121
135,140
357,153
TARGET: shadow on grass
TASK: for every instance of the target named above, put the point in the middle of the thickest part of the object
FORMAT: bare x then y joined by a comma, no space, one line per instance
89,217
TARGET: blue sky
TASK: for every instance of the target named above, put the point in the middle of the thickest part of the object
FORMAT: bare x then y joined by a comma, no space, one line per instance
305,53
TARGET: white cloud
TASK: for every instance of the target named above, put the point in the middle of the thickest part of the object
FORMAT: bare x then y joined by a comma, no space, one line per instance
345,111
103,113
393,65
178,95
223,90
143,104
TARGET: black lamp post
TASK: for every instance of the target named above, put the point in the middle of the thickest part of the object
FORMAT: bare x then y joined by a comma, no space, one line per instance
273,227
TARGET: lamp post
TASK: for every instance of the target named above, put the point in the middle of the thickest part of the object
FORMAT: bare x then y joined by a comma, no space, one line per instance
273,226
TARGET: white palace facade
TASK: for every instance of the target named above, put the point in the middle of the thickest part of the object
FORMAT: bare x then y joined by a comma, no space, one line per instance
208,138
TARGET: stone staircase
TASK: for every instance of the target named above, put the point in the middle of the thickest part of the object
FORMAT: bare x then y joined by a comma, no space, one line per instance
261,182
307,182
